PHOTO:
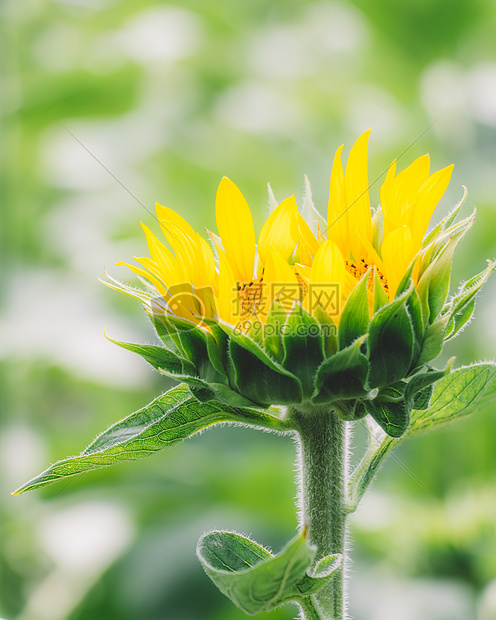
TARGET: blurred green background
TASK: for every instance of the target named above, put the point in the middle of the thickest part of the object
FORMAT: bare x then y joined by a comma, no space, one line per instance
171,97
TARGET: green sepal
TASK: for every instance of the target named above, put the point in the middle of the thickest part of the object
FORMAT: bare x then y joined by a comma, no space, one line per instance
163,333
197,344
355,317
309,212
159,357
460,306
206,391
166,421
412,304
303,347
274,325
390,411
433,341
406,281
342,376
380,297
433,285
422,383
454,231
220,340
258,377
248,574
390,343
255,332
135,293
415,313
329,331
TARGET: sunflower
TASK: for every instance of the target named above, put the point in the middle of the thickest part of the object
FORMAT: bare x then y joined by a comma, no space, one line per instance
343,313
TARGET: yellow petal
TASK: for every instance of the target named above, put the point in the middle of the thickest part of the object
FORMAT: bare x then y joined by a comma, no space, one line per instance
337,218
327,279
397,253
304,271
279,282
172,269
205,266
235,226
227,304
161,288
356,183
280,230
165,215
185,248
429,195
399,193
307,242
306,235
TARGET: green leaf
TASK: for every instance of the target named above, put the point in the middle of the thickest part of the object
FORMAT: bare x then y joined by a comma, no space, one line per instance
456,395
325,569
303,347
251,576
342,376
167,420
390,343
355,318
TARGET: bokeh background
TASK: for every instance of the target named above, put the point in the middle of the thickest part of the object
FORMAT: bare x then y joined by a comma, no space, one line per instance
171,96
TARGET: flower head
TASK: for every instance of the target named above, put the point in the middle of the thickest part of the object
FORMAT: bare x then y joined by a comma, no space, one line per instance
346,312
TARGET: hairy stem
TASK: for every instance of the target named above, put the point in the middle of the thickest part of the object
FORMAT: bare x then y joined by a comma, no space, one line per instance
323,446
309,610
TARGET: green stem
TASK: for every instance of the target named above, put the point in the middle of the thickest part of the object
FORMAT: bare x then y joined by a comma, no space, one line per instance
367,468
323,447
309,610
